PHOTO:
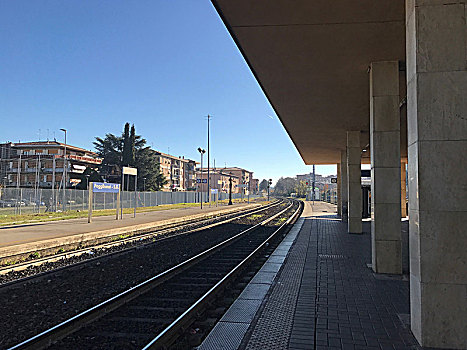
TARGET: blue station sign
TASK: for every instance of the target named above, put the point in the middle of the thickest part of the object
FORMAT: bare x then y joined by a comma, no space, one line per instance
105,187
204,181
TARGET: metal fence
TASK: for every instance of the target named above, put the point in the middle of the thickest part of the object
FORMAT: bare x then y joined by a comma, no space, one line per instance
15,201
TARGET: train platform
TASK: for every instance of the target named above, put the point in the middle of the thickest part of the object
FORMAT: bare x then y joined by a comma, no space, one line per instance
21,239
317,291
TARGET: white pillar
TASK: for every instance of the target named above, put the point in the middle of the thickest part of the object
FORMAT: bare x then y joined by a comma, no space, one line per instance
385,168
437,144
344,186
354,185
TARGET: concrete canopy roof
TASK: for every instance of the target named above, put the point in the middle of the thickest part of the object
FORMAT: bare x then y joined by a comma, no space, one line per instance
311,58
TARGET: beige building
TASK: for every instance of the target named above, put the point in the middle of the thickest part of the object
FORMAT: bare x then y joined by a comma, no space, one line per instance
178,171
243,176
218,179
254,186
41,164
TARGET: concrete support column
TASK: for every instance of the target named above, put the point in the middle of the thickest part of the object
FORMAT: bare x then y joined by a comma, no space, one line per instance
437,139
385,167
339,194
403,190
354,185
344,186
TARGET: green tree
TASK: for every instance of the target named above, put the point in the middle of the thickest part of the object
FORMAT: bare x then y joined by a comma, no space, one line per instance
133,146
130,150
285,186
301,188
263,185
109,148
93,177
126,146
149,175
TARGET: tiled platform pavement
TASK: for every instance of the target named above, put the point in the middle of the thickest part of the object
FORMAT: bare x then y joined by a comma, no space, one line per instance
326,297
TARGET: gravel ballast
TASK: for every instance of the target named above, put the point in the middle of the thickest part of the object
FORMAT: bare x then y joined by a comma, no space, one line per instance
34,306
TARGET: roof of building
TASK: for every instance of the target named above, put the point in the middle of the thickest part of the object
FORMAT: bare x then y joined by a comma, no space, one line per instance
40,144
232,168
317,80
173,157
215,171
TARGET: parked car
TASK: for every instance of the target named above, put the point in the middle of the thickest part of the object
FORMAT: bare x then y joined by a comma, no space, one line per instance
12,203
4,204
32,202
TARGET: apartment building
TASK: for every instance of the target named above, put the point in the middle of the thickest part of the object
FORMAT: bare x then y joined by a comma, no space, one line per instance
41,164
254,186
179,172
322,182
244,177
318,178
6,153
218,178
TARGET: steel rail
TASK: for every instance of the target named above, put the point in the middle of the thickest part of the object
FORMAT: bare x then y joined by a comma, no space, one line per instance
71,325
165,338
89,250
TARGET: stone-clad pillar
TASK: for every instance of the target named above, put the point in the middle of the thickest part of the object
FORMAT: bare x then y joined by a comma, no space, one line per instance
354,183
437,144
403,191
344,186
385,167
339,194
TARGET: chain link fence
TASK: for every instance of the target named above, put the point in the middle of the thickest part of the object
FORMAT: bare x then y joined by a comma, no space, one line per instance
16,201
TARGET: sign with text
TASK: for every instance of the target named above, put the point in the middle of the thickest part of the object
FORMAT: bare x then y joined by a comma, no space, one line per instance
129,171
202,181
214,190
105,187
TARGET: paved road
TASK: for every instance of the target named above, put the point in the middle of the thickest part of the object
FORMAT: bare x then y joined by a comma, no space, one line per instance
36,232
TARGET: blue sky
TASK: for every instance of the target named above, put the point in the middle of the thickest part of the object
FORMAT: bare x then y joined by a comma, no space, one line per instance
91,66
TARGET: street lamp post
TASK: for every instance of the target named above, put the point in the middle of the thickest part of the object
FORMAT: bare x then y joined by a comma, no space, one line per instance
209,173
65,164
201,152
269,185
87,181
242,189
144,191
230,189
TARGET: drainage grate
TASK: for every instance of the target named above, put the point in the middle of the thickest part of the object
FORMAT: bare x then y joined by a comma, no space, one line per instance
332,256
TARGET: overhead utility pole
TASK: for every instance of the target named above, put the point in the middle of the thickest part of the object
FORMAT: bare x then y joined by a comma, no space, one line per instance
314,184
201,152
209,185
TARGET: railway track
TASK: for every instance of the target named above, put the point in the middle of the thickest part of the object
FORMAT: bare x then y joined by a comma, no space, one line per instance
33,268
154,313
